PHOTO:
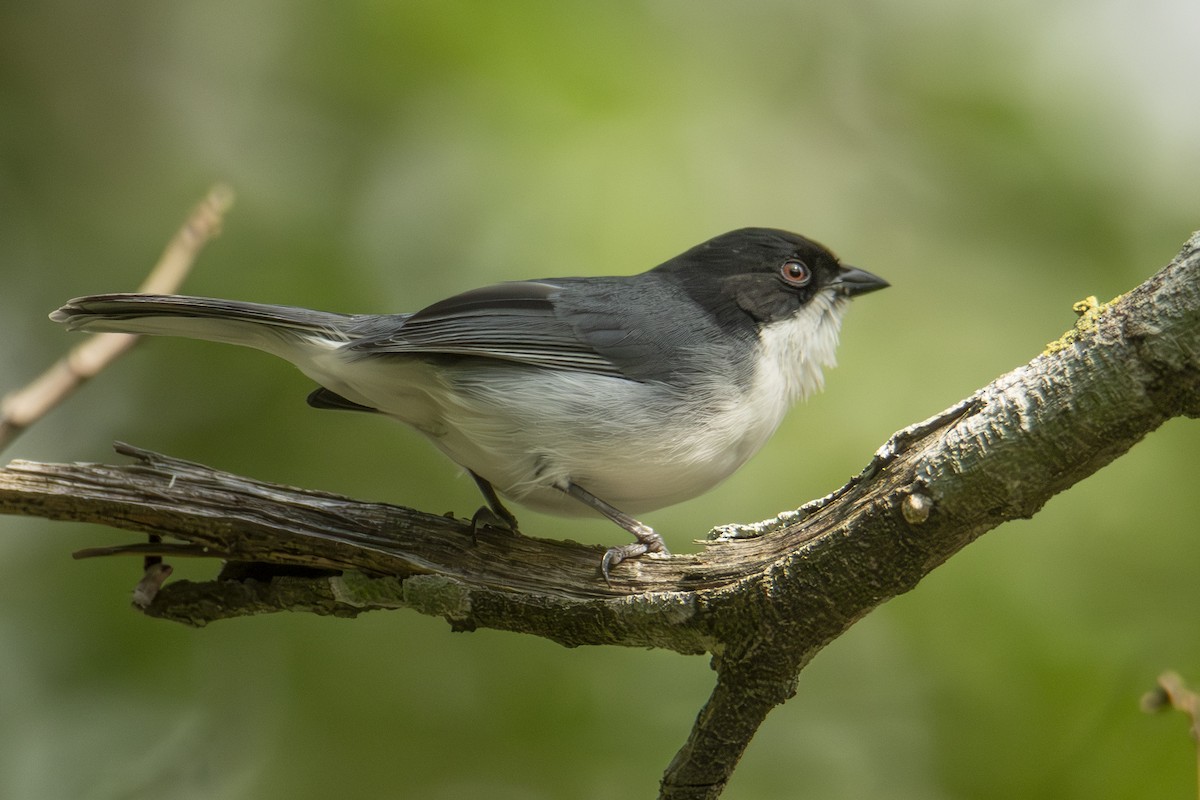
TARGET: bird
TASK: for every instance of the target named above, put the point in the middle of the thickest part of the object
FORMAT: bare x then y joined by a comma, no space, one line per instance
611,395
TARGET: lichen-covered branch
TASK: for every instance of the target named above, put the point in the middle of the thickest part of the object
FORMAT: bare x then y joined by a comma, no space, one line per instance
762,599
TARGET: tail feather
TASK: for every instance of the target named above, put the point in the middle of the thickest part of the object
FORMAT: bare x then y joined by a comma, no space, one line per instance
275,329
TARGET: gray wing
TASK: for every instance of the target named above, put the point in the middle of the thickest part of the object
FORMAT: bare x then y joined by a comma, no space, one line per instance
515,321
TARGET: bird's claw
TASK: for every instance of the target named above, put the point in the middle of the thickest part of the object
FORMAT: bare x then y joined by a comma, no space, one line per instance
486,517
648,542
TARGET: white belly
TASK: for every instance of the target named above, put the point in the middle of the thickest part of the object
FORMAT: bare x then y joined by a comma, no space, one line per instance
638,446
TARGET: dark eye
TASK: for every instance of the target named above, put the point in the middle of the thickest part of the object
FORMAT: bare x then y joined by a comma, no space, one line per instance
795,272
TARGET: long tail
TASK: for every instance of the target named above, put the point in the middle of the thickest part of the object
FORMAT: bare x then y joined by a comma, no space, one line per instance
279,330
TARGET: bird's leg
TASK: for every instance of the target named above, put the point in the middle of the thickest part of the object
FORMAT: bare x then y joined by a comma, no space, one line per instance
647,540
494,514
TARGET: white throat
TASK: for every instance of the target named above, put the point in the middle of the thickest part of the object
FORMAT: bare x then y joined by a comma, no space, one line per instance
796,350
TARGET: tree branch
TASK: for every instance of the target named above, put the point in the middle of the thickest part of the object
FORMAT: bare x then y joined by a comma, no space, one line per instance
762,599
22,408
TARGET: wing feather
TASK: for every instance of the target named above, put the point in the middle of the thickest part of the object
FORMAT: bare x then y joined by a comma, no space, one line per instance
514,321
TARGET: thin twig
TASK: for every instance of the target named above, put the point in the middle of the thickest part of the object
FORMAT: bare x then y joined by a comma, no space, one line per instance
1172,692
23,407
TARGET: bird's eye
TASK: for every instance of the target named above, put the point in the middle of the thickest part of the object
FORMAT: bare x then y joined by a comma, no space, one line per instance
795,272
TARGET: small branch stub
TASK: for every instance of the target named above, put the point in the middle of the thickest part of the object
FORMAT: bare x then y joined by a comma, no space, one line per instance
916,508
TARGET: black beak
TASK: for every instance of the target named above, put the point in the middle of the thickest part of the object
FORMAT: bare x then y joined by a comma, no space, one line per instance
852,281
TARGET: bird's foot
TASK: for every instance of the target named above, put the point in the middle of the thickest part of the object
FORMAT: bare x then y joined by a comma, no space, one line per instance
486,517
648,541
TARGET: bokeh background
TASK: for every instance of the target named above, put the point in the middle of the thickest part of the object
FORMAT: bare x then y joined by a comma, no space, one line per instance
996,162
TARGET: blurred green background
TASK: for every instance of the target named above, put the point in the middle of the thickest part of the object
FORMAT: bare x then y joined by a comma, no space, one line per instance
996,162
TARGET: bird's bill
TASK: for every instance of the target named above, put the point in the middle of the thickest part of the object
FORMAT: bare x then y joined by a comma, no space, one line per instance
852,281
